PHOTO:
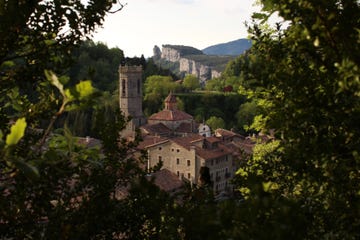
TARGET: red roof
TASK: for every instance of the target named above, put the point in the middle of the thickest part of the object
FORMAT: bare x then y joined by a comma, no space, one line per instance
219,151
167,180
171,115
157,128
148,141
187,141
185,128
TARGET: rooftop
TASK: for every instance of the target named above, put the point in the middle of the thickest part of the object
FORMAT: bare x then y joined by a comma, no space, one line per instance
167,181
171,115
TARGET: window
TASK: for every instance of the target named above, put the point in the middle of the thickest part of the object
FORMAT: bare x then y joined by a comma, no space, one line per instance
177,150
212,162
178,173
172,149
138,86
123,86
160,148
160,159
189,175
177,161
188,162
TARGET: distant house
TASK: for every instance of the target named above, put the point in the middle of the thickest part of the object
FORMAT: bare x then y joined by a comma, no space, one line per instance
184,156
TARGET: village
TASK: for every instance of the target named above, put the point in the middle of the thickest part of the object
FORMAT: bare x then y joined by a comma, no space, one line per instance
182,146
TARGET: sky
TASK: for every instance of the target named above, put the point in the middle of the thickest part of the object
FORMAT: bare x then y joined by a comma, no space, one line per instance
142,24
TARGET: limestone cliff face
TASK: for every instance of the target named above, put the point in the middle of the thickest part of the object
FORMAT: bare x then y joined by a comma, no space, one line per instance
192,67
170,54
189,66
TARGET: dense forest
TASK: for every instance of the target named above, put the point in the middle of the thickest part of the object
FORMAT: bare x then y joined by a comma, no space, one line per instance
300,80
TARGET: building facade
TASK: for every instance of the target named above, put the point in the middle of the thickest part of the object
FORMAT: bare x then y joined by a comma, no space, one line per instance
185,155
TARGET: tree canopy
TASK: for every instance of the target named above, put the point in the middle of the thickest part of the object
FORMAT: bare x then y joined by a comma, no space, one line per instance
309,74
191,82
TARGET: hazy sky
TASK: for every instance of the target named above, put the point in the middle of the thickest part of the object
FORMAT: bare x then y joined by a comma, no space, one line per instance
198,23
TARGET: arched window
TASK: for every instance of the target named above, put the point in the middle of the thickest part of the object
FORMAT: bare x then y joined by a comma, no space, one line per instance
123,87
138,86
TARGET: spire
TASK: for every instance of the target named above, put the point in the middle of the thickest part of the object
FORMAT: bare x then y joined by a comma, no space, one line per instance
170,102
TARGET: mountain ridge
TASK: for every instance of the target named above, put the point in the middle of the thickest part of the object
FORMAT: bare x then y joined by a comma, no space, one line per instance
232,48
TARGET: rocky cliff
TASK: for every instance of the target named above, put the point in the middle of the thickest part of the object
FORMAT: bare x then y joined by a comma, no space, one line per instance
192,61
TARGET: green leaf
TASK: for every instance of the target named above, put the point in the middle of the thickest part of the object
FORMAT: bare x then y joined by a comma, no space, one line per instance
257,15
55,81
84,89
16,132
29,170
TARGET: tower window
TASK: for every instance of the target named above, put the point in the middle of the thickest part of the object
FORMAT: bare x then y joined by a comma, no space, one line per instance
188,162
138,86
123,86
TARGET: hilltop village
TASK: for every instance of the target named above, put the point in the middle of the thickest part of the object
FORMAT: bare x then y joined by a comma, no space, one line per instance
182,146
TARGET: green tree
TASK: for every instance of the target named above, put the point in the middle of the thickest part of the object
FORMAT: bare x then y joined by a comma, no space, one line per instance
309,72
52,187
97,62
156,89
245,115
191,82
215,84
215,122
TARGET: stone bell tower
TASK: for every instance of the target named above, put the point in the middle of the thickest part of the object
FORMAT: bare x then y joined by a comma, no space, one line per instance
130,97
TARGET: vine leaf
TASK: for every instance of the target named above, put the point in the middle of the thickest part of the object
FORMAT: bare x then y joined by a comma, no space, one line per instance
16,132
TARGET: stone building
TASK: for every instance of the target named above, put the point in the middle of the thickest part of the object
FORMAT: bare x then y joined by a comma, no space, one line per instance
130,97
185,155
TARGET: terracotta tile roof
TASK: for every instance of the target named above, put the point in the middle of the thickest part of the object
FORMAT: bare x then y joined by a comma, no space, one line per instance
226,134
157,128
166,180
212,139
245,145
187,141
205,153
171,115
149,141
184,128
220,151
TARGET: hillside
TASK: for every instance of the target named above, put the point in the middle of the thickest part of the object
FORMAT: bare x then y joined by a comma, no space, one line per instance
233,48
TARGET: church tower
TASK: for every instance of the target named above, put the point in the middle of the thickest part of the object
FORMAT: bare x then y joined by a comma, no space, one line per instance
130,97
